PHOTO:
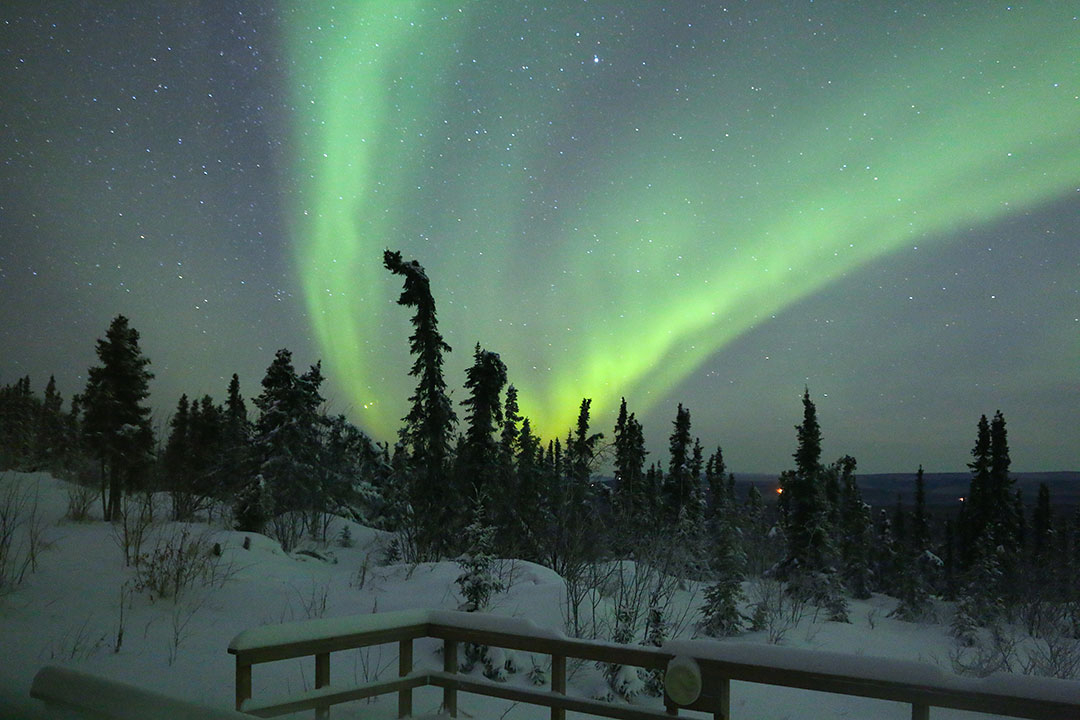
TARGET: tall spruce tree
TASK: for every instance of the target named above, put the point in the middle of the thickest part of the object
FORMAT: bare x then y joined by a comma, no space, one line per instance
116,422
679,490
235,441
19,408
914,561
478,460
287,446
582,447
720,616
505,486
630,493
428,427
51,443
177,459
855,530
992,534
809,564
977,506
528,508
1042,528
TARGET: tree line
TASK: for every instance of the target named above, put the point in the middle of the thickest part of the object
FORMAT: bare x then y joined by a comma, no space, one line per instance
288,466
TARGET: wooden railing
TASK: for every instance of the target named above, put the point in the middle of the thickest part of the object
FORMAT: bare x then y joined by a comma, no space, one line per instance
67,693
705,686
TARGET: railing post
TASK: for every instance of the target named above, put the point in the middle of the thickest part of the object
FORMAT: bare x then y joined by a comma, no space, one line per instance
322,679
722,711
449,695
670,706
405,662
243,681
920,711
558,683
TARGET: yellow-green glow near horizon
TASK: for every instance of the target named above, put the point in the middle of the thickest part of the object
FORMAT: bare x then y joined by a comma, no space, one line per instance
608,216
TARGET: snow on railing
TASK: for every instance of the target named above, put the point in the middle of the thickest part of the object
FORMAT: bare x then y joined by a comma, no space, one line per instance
72,694
699,672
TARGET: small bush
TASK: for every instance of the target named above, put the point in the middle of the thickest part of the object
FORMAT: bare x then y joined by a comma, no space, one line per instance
80,500
178,562
22,530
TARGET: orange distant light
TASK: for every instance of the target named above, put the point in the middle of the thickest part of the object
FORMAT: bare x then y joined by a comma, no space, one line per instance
779,491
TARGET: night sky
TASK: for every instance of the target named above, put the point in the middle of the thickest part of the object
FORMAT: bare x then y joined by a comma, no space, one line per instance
700,202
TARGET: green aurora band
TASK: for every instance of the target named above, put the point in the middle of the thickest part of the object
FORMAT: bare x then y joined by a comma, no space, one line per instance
608,236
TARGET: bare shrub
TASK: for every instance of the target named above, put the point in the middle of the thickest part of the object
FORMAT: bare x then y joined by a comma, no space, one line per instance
133,525
80,500
313,601
179,561
288,528
1050,651
78,642
774,610
22,532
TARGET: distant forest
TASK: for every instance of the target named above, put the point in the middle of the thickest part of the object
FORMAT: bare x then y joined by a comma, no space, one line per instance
487,485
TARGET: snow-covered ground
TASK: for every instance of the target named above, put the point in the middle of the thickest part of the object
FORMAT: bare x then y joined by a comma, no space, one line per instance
72,609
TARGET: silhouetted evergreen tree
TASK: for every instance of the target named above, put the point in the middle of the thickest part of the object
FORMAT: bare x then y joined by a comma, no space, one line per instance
720,484
809,565
855,530
681,497
993,532
177,460
236,465
915,563
116,422
19,411
977,505
429,425
654,495
53,443
1042,528
287,445
528,507
478,460
631,501
504,488
720,616
349,466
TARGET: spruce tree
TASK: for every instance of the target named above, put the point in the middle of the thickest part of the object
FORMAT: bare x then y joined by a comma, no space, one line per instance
631,502
920,523
992,530
855,530
52,444
478,460
116,421
19,412
720,616
977,507
679,486
235,442
581,448
176,459
717,482
1042,528
429,425
809,565
504,491
528,506
287,448
915,562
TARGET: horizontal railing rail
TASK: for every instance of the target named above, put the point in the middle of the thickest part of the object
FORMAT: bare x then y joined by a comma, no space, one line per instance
698,678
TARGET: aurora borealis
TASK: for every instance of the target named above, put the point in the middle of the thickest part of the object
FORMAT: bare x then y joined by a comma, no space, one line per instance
673,202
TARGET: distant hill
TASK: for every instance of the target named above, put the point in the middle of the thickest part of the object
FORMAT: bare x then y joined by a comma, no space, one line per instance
942,489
